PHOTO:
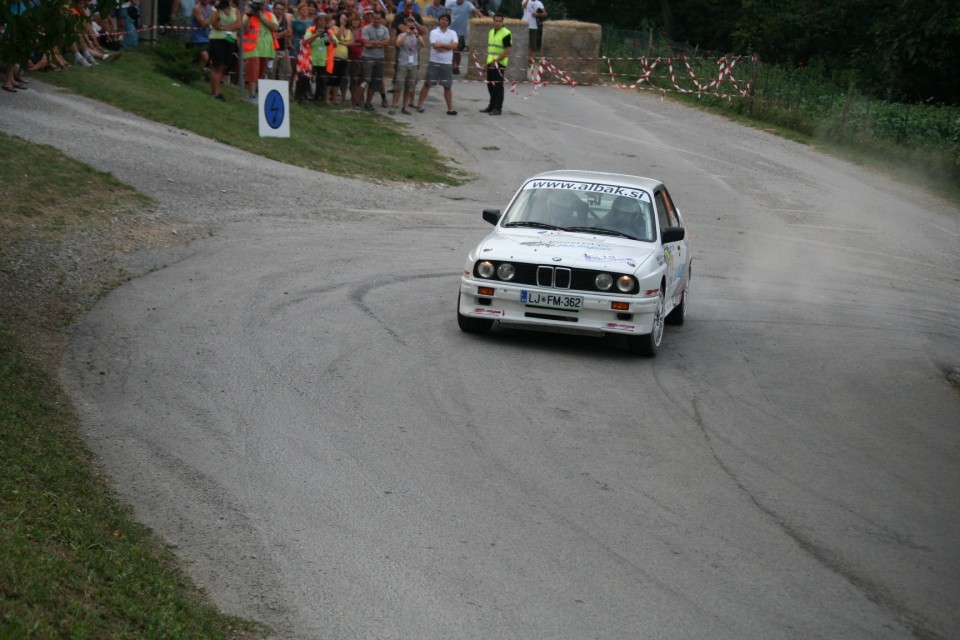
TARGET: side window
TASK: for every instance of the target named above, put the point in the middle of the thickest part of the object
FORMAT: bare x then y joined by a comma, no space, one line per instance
664,197
662,210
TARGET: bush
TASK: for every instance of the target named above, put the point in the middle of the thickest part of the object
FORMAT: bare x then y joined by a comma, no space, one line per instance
174,59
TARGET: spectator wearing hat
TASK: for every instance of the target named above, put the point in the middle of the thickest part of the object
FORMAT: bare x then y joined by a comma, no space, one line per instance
443,42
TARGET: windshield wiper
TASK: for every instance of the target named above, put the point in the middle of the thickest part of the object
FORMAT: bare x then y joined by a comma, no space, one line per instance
537,225
601,231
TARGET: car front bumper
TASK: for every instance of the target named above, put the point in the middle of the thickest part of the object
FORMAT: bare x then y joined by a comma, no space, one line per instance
594,317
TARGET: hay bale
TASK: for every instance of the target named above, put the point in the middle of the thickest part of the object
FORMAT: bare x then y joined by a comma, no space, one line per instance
574,48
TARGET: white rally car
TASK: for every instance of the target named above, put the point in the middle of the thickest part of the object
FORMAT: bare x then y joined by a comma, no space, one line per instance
581,252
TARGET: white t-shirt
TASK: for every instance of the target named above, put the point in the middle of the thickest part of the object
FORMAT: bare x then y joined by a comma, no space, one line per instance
438,36
531,8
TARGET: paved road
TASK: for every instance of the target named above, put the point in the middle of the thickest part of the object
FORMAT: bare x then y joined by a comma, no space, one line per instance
290,401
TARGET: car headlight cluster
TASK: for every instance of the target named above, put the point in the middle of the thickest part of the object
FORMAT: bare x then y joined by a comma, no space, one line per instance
503,271
577,279
604,281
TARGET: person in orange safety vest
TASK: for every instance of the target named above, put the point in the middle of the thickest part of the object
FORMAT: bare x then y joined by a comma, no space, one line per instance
259,44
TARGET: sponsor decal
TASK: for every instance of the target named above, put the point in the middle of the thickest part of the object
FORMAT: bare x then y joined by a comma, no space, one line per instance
616,259
565,244
618,326
589,187
483,311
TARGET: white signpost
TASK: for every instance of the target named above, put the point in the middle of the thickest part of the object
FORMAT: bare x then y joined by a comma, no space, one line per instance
274,108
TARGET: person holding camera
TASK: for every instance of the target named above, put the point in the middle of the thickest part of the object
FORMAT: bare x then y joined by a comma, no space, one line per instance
225,23
323,42
534,13
408,64
258,43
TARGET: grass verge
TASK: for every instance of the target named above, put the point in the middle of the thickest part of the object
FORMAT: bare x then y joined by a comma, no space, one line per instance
333,140
73,562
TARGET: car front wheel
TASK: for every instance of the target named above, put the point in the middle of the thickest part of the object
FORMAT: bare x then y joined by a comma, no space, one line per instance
472,325
649,344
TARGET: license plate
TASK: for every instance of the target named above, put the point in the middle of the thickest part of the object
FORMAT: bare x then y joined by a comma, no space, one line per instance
551,300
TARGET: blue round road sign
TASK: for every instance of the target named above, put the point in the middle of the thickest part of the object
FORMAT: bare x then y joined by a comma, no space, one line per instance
273,110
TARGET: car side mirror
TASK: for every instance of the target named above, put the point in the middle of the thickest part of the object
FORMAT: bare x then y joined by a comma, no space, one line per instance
673,234
492,215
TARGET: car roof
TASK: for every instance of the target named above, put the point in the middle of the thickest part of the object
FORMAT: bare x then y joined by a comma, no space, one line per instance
616,179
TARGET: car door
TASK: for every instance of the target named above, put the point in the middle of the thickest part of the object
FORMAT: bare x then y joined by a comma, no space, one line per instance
675,253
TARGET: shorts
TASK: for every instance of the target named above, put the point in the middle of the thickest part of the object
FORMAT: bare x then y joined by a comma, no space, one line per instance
335,78
536,39
355,72
373,72
222,52
255,69
441,74
406,78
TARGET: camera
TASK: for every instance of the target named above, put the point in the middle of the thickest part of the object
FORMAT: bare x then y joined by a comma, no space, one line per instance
255,7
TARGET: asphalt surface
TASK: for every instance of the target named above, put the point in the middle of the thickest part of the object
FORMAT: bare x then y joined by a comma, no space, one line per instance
291,403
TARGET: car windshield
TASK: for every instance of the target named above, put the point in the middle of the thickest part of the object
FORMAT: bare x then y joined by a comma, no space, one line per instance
581,207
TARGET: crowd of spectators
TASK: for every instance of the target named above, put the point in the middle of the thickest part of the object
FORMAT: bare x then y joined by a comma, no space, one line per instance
332,52
98,38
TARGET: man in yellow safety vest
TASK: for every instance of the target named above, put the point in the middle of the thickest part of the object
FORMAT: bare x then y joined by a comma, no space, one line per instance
498,57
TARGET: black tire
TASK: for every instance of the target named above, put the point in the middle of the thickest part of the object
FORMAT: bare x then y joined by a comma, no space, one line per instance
472,325
649,344
679,313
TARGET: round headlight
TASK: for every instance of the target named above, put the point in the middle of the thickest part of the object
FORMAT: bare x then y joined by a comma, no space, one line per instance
625,283
506,271
603,281
485,269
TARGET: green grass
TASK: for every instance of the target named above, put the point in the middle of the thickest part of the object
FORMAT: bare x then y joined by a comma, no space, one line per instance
334,140
73,562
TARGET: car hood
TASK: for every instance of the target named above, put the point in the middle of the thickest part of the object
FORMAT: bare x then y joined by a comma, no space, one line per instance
575,250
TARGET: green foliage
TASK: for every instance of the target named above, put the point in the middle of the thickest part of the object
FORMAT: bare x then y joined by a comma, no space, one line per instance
901,50
812,103
38,26
175,60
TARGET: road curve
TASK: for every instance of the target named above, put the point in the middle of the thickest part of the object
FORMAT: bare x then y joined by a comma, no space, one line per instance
291,404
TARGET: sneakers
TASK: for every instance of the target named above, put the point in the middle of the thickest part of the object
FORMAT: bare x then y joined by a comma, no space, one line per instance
405,112
487,110
368,107
452,112
79,60
420,109
384,103
392,111
495,112
219,97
